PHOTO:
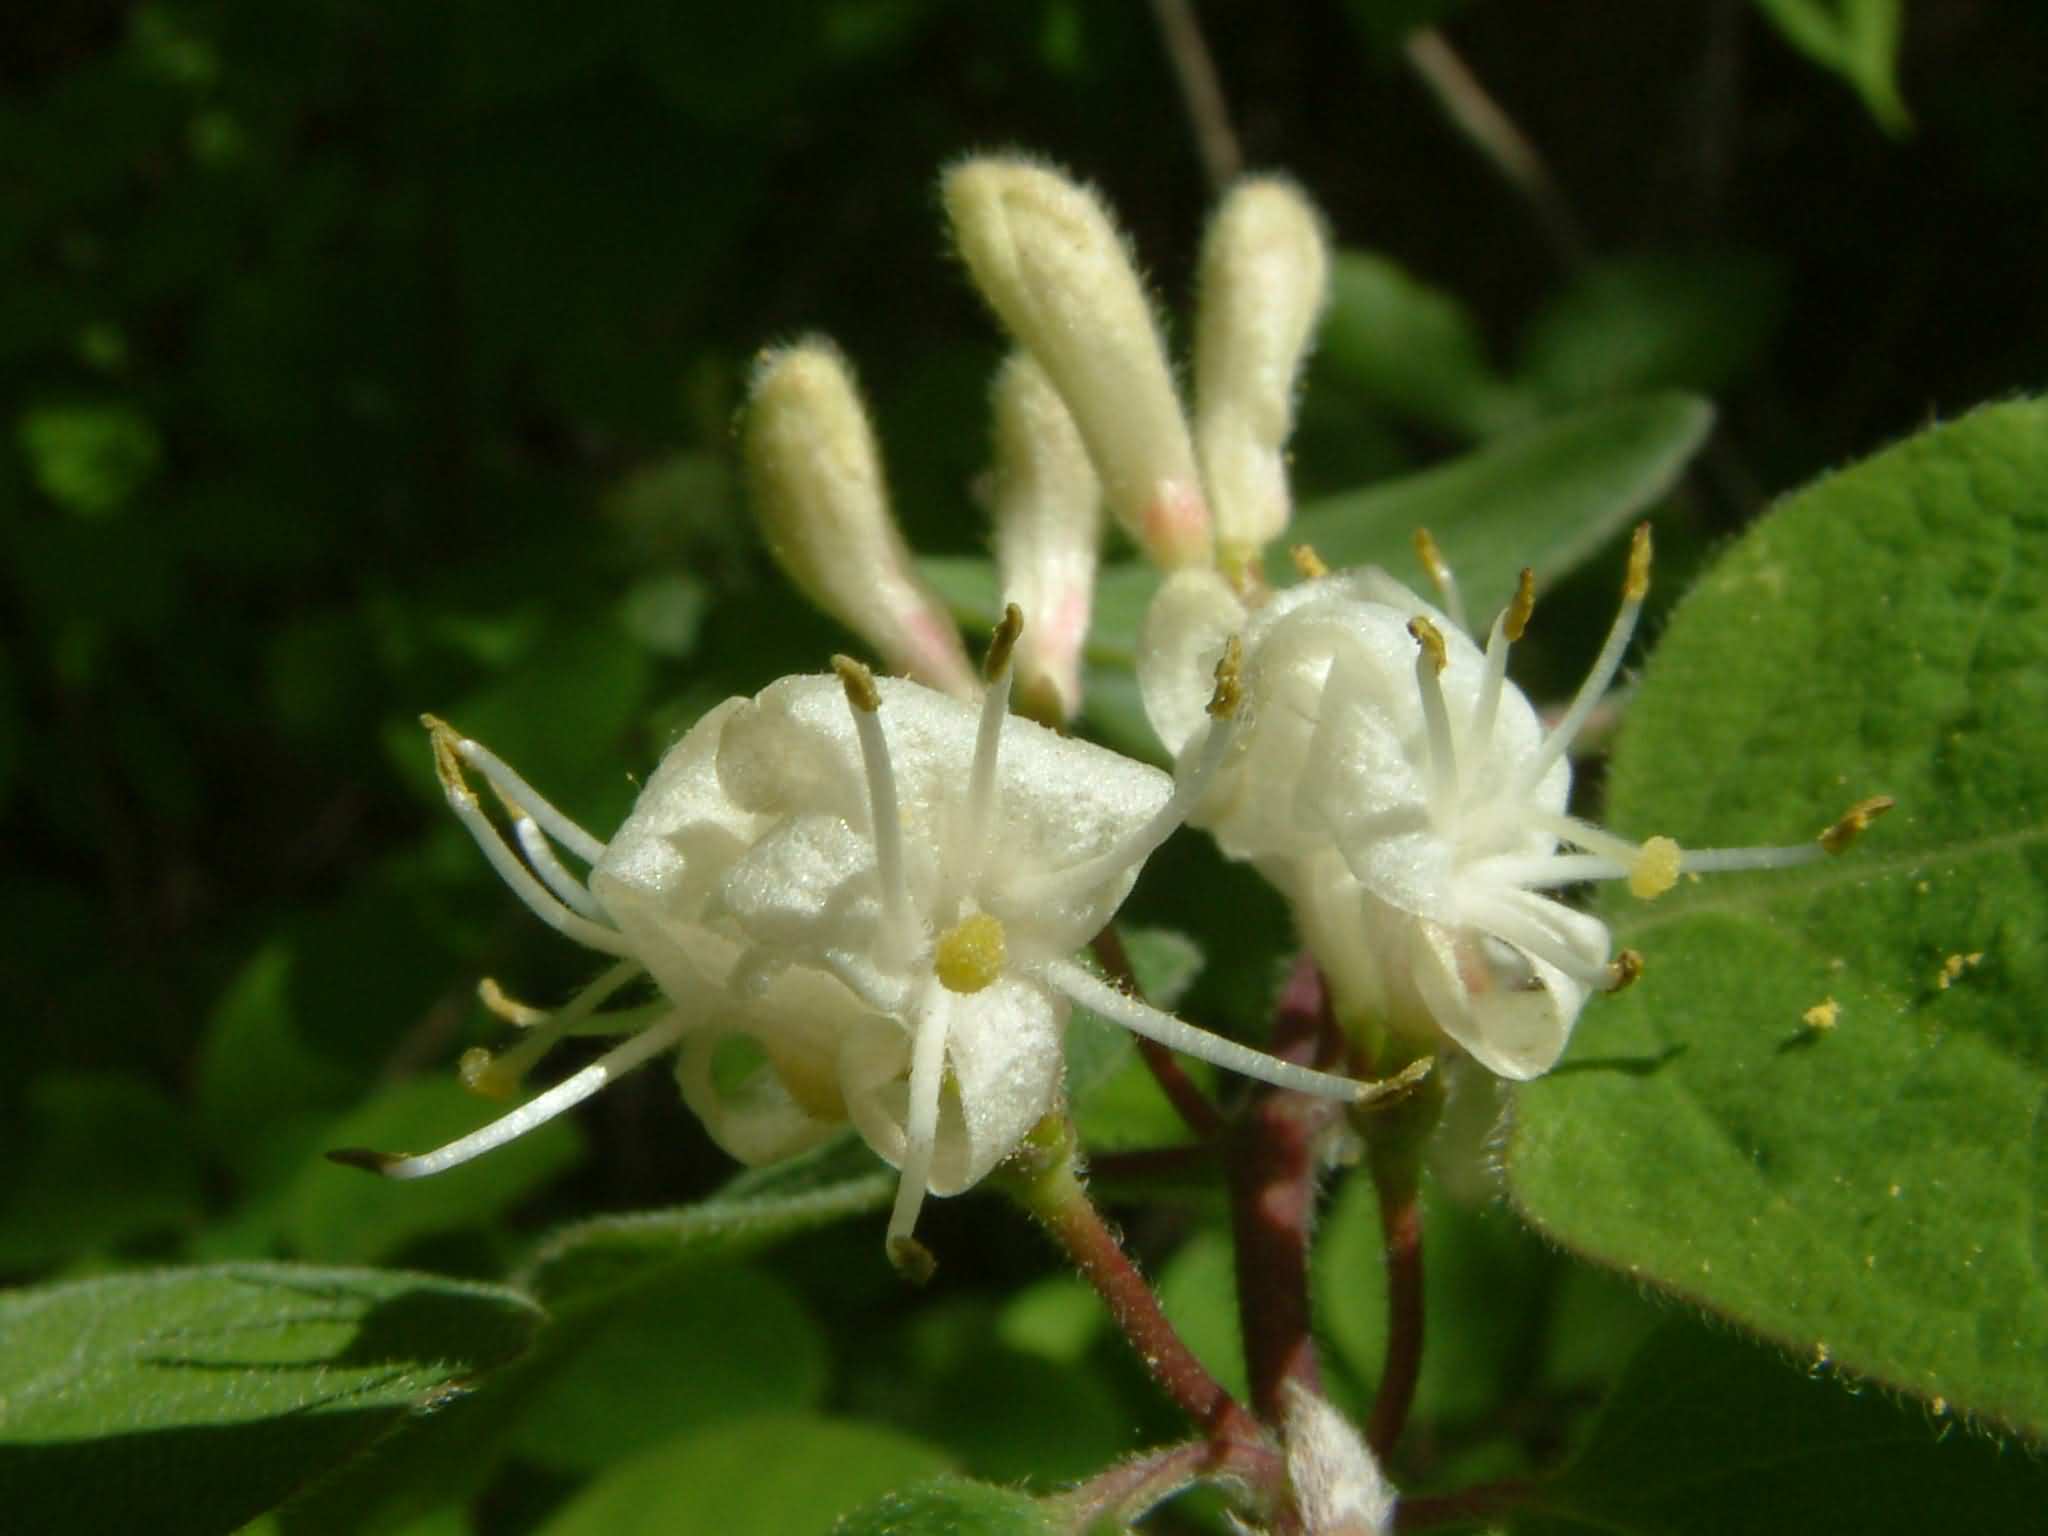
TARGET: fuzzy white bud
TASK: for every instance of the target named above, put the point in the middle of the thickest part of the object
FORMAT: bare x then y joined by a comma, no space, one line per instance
1339,1489
1264,279
1048,531
1049,260
818,491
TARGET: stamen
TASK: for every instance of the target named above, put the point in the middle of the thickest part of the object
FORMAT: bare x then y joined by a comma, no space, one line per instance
534,844
865,700
497,1075
1229,692
1508,627
1098,996
1635,586
964,869
565,1095
1624,970
1441,575
1854,822
541,901
517,792
1308,563
1430,661
920,1130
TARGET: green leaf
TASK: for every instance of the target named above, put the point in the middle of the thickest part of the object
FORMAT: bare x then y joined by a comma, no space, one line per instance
1547,498
695,1348
1873,1191
1653,322
89,459
1708,1435
93,1161
772,1476
1856,39
951,1506
192,1400
583,1263
1413,348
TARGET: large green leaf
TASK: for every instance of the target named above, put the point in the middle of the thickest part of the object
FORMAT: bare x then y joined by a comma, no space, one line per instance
1872,1188
192,1400
1708,1435
693,1348
773,1476
1546,497
590,1260
951,1506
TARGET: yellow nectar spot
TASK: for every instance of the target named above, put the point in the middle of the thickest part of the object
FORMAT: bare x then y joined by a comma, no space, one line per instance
1655,870
1822,1016
969,955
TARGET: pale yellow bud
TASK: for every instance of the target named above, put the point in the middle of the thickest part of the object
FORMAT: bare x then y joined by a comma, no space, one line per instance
1049,260
1264,278
1048,530
817,486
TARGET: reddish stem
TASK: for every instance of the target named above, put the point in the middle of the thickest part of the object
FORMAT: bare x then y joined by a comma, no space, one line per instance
1401,1229
1468,1506
1059,1202
1182,1091
1127,1490
1273,1196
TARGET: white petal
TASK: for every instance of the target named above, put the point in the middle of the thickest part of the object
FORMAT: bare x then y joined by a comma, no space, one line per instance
1514,1018
1182,639
755,1119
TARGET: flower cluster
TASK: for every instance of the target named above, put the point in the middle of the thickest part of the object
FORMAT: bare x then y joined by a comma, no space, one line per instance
1390,780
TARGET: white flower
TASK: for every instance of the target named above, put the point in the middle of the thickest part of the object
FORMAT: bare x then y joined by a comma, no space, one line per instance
874,891
1406,799
1339,1489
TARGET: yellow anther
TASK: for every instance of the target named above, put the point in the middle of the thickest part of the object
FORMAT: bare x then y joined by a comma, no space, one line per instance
1636,585
1431,639
1308,562
1432,559
448,758
912,1260
1229,692
1519,611
481,1074
969,955
1655,870
1855,822
1002,642
510,1009
859,684
1623,970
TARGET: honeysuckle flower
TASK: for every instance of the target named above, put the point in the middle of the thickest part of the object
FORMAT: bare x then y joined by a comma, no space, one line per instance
1338,1487
1405,797
1047,256
1046,504
874,890
818,491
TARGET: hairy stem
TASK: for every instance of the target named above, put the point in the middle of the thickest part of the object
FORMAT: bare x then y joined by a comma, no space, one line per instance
1273,1198
1394,1149
1051,1191
1183,1092
1124,1492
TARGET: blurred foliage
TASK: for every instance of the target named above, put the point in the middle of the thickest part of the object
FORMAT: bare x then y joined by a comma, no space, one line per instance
361,358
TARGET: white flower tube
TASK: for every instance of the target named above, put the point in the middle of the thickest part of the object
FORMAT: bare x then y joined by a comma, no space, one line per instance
816,478
1048,258
1264,280
1047,505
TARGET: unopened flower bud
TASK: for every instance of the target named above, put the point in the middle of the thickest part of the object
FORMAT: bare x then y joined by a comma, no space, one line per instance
818,491
1048,528
1339,1489
1049,260
1265,274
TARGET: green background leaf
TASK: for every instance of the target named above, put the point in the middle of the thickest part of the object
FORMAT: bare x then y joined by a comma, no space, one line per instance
1708,1435
950,1507
1875,1194
192,1400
